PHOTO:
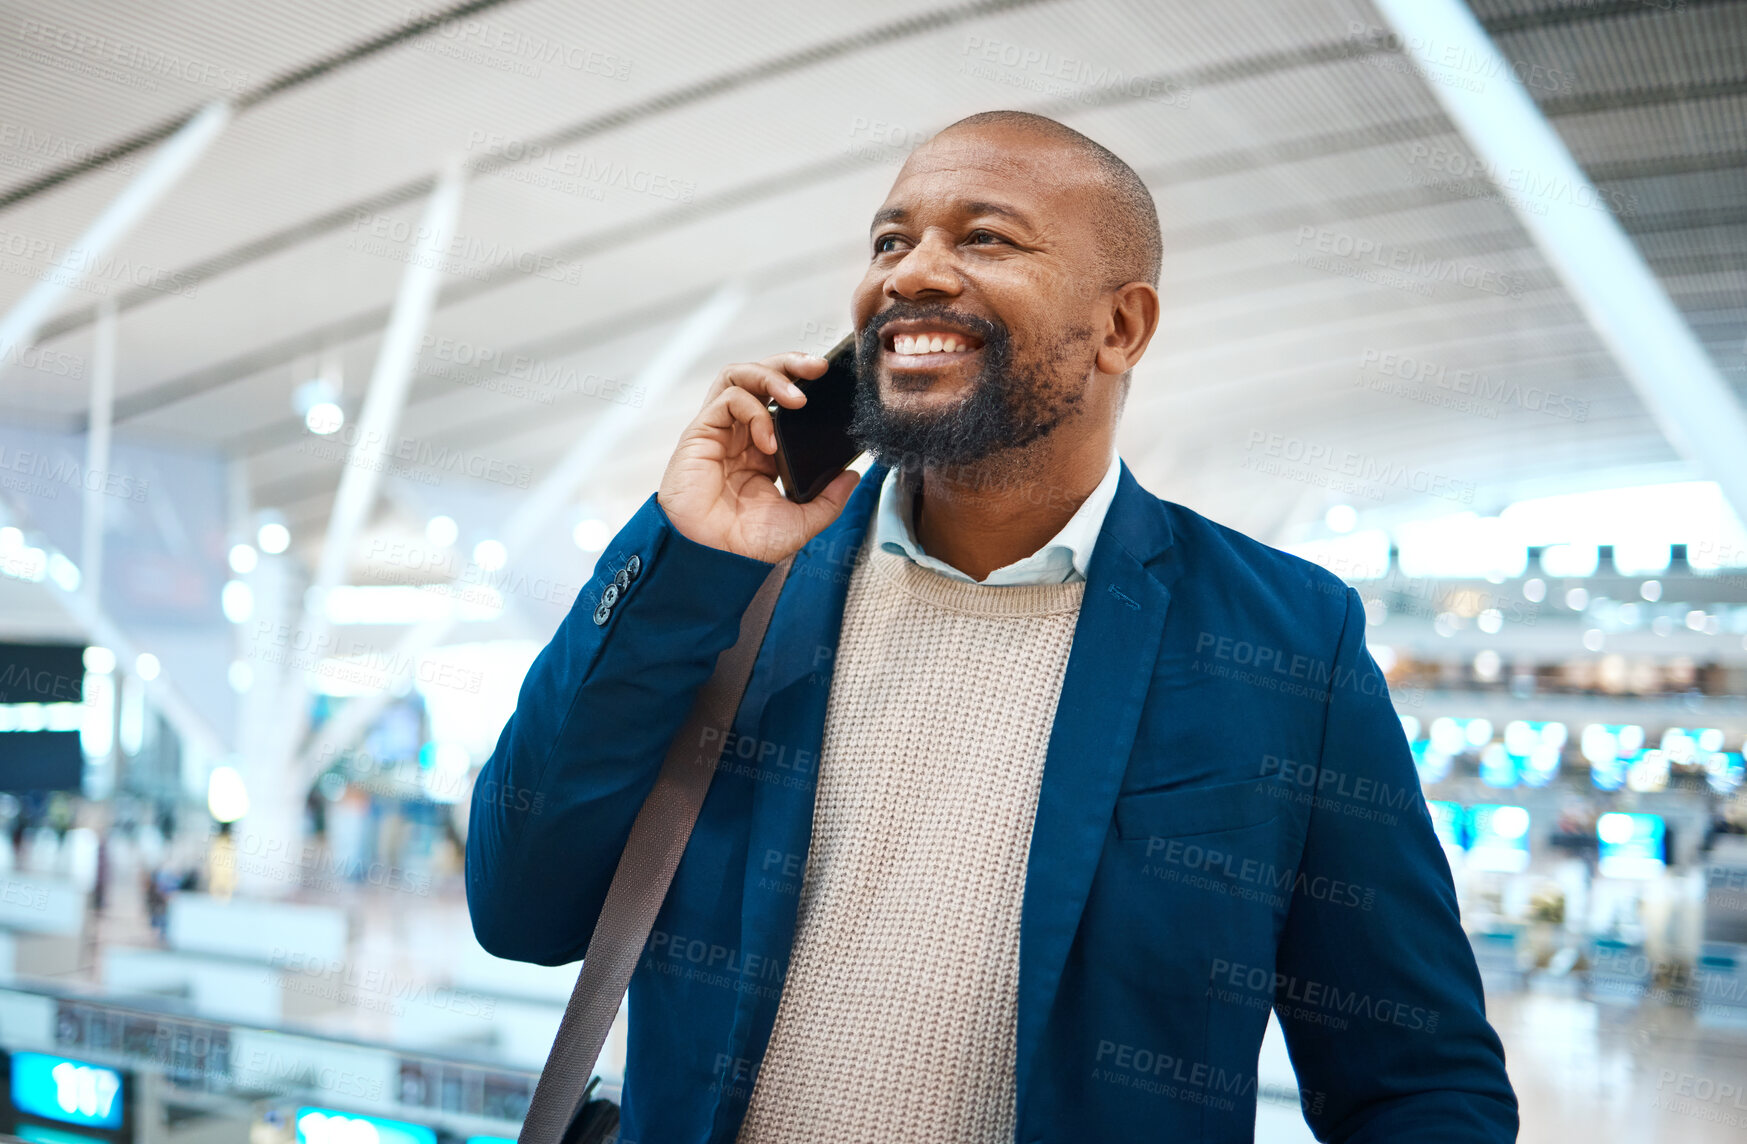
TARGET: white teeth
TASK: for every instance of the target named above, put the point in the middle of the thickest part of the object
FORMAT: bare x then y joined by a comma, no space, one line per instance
928,343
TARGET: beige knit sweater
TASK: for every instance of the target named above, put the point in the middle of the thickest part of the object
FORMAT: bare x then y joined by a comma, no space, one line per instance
899,1012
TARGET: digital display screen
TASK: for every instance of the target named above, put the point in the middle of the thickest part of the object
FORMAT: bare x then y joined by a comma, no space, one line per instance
1631,845
325,1126
1448,819
74,1092
1498,838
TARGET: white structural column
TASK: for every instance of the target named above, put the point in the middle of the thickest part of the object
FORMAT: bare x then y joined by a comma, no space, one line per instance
361,475
97,449
170,163
1595,259
543,503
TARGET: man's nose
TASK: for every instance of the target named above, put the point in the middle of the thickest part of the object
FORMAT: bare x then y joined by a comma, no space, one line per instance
927,269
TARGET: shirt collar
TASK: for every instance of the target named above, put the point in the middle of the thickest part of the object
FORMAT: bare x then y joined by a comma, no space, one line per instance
1064,559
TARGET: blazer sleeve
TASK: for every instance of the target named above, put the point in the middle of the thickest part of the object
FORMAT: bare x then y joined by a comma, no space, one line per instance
553,806
1381,1003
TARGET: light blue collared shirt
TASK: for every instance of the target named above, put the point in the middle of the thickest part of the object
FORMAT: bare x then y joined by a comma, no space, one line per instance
1062,561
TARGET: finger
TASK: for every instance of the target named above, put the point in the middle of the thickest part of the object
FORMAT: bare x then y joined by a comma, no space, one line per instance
738,407
771,378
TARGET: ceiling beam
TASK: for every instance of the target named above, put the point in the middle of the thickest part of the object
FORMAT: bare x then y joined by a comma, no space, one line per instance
535,511
1600,267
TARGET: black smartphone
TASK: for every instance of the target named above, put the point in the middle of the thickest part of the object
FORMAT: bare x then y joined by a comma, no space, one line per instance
813,443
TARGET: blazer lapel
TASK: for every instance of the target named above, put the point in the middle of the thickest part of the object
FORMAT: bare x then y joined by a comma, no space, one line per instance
1116,642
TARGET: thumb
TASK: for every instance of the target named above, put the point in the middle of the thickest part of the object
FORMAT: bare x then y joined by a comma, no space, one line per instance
819,512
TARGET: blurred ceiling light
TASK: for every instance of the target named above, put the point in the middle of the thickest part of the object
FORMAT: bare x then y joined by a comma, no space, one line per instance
1640,557
1487,665
1356,556
147,666
63,572
241,676
273,538
1570,560
1695,620
1662,625
409,603
592,535
1534,589
243,558
490,555
442,531
99,660
1341,518
1651,590
1491,621
1577,599
324,418
11,540
1463,545
1593,639
226,796
237,601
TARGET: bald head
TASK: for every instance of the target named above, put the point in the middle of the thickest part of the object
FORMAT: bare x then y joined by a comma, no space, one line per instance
1127,220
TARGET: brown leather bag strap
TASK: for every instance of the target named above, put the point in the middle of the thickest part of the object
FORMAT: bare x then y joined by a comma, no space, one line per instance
658,838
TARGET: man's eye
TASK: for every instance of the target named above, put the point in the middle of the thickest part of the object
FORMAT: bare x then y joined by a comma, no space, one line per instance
883,244
979,236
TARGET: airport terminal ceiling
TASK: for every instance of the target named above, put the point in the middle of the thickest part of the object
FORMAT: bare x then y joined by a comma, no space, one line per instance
1328,233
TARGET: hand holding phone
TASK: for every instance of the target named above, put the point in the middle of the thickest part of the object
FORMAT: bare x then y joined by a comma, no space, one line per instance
720,485
813,444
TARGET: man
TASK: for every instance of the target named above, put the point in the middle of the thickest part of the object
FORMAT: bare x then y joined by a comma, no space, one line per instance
1043,791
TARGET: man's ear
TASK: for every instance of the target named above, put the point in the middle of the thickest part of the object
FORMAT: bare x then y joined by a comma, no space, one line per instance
1134,316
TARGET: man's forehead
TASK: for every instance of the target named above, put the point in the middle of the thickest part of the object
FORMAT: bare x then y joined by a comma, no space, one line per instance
1019,170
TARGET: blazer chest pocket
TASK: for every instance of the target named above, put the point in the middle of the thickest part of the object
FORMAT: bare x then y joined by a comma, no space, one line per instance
1194,810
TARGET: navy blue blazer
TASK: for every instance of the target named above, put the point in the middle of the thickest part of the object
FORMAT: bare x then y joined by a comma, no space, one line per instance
1229,822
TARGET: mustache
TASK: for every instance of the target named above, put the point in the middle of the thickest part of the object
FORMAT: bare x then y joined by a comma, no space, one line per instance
868,344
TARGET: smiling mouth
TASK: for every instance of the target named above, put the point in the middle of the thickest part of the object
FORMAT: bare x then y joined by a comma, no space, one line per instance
929,348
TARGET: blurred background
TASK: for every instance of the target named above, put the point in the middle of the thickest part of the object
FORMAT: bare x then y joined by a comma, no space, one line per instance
338,339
